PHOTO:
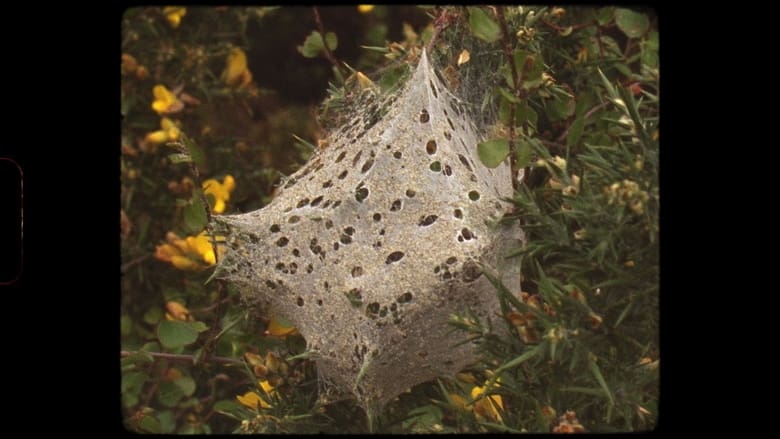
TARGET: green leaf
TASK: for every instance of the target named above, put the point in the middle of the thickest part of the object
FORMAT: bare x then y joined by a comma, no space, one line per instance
153,315
312,46
332,41
149,424
594,369
526,114
523,153
167,421
575,132
229,408
196,152
560,109
482,26
493,152
199,326
174,334
139,357
508,95
605,15
132,382
187,385
195,214
633,24
527,355
169,394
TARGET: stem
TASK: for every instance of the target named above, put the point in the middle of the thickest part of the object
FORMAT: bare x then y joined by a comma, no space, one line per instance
557,28
441,22
135,261
590,112
328,54
180,357
512,106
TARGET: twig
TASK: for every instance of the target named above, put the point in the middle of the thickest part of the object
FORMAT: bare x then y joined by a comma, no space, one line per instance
590,112
516,79
557,28
328,54
211,342
441,22
210,307
180,357
135,261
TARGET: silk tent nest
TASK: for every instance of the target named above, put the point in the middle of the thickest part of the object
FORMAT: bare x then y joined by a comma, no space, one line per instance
371,246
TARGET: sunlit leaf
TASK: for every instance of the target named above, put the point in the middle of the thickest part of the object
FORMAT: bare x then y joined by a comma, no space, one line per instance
332,41
633,24
195,214
312,46
493,152
523,152
482,26
149,424
174,334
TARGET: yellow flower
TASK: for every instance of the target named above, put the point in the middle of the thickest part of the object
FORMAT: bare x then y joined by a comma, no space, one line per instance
253,400
165,101
220,191
173,14
169,132
487,407
236,72
365,9
192,253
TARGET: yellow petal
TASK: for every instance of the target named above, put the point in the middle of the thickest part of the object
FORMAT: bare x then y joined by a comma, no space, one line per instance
252,400
165,252
364,82
184,263
235,67
459,401
173,14
199,244
229,184
219,206
173,133
164,100
213,187
488,406
177,311
157,137
167,124
267,387
253,359
279,328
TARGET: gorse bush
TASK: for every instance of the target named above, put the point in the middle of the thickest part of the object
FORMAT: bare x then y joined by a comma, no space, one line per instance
569,96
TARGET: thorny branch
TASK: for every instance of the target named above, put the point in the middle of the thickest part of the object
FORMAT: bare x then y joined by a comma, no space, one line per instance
328,54
516,89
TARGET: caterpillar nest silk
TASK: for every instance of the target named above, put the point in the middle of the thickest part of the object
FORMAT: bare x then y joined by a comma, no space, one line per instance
378,240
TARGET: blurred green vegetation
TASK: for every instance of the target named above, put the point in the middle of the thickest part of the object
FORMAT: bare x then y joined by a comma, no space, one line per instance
570,95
